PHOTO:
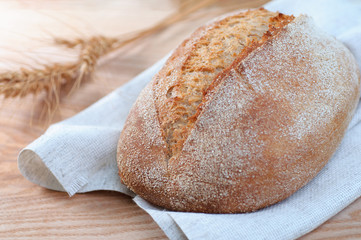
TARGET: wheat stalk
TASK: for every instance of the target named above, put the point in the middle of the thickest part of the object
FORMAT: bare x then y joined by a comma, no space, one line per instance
54,78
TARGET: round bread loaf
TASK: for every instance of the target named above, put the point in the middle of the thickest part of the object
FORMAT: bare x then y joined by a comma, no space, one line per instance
243,114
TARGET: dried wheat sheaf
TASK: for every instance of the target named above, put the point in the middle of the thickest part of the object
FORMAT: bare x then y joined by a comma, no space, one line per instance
54,78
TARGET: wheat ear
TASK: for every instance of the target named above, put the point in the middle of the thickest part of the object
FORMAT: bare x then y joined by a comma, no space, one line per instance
54,78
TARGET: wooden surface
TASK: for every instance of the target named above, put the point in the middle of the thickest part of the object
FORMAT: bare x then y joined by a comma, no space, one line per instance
28,211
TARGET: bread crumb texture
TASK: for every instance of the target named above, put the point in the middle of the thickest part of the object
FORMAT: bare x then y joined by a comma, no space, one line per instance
243,114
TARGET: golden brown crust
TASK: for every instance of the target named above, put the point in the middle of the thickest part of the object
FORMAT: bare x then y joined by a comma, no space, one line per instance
267,126
277,23
182,84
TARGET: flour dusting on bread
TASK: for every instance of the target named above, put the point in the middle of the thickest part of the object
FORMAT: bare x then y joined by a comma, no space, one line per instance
182,89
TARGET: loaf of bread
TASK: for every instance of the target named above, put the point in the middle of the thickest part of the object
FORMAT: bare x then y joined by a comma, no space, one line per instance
243,114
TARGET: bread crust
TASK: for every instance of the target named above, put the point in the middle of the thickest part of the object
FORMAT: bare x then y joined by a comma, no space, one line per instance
181,84
266,127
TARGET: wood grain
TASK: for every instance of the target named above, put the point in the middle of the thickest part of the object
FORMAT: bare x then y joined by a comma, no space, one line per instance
28,211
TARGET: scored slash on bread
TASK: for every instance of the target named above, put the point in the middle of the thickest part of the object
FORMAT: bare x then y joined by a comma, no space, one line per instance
180,87
243,114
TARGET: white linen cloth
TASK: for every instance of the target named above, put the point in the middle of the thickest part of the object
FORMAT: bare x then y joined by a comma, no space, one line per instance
79,154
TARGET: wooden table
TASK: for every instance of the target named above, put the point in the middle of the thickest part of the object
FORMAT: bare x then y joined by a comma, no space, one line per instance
28,211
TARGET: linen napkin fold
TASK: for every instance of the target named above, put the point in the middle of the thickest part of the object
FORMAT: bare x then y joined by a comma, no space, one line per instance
79,154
